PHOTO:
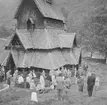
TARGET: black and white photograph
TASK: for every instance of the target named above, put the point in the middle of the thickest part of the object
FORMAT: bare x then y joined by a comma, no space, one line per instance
53,52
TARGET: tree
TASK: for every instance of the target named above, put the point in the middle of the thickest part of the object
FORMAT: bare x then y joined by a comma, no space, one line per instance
95,32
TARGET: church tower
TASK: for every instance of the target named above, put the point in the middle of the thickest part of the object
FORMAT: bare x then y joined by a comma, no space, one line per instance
40,40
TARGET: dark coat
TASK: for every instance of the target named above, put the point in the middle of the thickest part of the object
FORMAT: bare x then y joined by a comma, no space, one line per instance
91,80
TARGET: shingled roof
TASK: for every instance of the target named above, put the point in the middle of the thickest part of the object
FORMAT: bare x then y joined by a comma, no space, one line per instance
44,59
48,60
46,10
45,39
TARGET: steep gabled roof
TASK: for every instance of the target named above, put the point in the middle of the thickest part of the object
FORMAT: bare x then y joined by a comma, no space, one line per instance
46,10
45,39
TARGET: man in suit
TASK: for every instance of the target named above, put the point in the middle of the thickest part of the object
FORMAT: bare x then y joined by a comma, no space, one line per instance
91,83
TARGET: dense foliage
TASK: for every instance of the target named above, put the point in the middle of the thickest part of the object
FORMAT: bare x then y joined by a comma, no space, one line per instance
94,33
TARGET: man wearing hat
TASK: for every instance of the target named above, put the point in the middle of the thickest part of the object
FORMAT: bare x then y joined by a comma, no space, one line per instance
91,83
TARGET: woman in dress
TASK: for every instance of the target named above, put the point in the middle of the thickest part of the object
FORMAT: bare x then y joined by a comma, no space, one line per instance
42,81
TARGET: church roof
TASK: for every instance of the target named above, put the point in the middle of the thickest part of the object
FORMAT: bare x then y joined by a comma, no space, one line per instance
45,39
47,59
47,10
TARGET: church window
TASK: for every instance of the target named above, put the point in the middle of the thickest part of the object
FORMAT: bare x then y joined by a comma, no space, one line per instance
30,24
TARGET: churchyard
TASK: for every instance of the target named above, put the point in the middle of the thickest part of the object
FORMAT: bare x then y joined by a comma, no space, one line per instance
17,96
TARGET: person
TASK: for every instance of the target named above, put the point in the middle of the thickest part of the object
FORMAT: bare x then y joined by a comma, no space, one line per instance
28,81
65,72
3,72
97,82
52,72
54,83
76,76
69,73
67,83
15,77
20,80
34,75
43,74
8,75
90,84
30,74
85,67
32,84
80,83
58,71
88,73
42,81
60,85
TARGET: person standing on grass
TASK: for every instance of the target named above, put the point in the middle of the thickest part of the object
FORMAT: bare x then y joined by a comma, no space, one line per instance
42,81
28,81
20,80
91,83
15,77
67,83
8,75
60,85
80,83
54,83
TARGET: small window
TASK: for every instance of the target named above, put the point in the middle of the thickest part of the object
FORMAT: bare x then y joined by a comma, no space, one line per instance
30,24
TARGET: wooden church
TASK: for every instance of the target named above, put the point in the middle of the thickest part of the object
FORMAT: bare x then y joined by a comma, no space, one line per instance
40,40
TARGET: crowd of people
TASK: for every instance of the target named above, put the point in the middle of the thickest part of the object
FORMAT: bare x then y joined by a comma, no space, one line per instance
59,80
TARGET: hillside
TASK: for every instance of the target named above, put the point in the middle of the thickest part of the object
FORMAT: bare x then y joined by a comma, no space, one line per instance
77,11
